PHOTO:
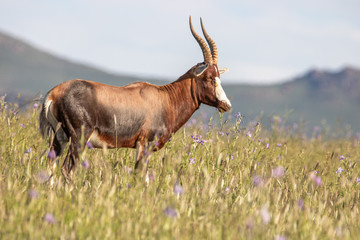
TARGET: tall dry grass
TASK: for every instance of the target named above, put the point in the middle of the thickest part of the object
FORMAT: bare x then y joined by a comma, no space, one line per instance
211,181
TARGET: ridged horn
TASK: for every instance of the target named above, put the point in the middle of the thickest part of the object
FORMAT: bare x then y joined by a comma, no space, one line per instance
205,49
213,48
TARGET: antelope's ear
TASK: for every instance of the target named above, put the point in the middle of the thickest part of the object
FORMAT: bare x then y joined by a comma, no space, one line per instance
223,70
200,69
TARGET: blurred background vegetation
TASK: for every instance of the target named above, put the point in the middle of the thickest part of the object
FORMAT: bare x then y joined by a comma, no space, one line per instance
316,98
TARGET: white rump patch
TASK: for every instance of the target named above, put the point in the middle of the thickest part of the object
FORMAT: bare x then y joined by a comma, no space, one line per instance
47,106
220,93
60,134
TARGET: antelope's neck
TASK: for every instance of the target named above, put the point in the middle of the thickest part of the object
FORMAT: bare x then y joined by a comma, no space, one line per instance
184,101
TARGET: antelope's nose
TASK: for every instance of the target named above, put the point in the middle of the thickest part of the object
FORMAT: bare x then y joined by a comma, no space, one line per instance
228,106
224,106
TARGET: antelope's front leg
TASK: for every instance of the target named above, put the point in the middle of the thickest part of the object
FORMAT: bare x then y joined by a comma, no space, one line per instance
140,152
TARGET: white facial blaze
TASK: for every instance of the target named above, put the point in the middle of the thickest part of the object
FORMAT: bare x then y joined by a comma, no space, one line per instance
219,91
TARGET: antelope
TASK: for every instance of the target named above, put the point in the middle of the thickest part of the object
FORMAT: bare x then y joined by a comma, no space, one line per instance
132,116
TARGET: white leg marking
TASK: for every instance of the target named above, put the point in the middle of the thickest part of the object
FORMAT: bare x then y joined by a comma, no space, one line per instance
96,141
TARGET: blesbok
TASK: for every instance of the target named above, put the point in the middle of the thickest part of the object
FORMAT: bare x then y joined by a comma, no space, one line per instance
132,116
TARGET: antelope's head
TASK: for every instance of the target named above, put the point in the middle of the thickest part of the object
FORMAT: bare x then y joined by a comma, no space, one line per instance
207,73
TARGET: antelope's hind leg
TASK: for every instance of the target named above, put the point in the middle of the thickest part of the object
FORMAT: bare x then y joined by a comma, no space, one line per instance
72,158
70,162
57,143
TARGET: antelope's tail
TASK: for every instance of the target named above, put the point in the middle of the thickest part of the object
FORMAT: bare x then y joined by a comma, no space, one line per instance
45,125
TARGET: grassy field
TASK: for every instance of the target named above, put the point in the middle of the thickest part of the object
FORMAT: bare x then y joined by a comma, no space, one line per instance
211,181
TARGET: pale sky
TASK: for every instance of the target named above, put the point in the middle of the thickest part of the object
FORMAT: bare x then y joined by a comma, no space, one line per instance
260,41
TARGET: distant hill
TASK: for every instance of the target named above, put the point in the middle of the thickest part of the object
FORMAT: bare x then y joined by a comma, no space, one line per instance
28,70
312,98
315,98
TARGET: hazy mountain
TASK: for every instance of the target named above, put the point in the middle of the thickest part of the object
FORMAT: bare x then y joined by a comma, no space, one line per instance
315,96
26,69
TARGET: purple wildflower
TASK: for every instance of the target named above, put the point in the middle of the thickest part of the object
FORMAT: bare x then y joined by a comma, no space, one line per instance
36,105
300,204
202,142
192,160
238,115
257,181
316,128
147,152
280,237
169,140
42,176
220,133
171,212
12,135
278,172
317,181
340,170
89,145
265,215
248,134
33,194
178,189
157,144
276,119
128,169
231,157
51,155
22,125
198,139
85,164
342,157
357,181
267,145
28,151
128,185
279,145
151,176
49,218
357,135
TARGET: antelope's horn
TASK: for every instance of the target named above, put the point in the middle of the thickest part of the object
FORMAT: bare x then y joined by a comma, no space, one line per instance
213,48
205,49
